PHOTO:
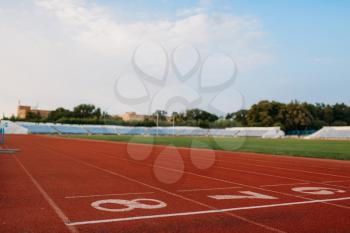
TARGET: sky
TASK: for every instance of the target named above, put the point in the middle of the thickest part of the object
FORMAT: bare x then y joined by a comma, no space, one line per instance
220,55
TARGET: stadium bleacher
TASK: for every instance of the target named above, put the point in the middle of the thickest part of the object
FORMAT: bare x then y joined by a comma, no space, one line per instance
12,127
166,131
222,133
126,130
336,132
100,129
265,132
38,128
69,129
50,128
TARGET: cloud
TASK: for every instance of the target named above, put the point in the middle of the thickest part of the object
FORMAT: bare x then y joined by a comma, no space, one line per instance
64,52
94,27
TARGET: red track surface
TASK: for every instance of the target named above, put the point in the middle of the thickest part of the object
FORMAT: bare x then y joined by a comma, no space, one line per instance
50,184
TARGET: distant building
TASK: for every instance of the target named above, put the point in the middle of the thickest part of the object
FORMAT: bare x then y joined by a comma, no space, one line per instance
132,116
22,112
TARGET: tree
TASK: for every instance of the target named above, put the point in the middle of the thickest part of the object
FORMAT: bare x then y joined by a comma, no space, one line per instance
240,117
264,113
328,115
33,116
341,113
203,124
224,123
105,115
58,114
97,113
161,114
339,123
12,118
198,114
86,111
291,116
295,116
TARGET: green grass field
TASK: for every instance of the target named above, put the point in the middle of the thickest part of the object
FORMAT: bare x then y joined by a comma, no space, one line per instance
296,147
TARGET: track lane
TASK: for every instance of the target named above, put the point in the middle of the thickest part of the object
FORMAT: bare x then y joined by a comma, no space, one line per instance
254,175
343,210
320,165
218,179
22,206
222,222
235,163
250,225
331,167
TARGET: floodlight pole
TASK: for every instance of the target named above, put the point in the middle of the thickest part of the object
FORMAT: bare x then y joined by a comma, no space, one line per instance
157,123
173,125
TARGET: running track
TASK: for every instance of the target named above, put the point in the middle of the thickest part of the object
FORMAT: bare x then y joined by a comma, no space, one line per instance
68,185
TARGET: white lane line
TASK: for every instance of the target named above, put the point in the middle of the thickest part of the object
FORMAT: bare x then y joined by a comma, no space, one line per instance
272,167
263,174
281,168
64,154
283,159
104,195
204,212
207,189
335,181
231,182
277,185
46,196
221,180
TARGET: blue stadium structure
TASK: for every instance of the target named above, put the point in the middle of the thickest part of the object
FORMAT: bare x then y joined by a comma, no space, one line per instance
50,128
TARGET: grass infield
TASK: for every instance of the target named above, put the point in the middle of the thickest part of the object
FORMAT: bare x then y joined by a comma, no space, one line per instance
328,149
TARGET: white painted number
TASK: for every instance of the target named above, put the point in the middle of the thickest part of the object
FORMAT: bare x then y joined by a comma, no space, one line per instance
317,190
248,195
129,204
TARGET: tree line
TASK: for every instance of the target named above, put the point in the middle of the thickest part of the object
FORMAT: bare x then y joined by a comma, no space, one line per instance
293,116
290,116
